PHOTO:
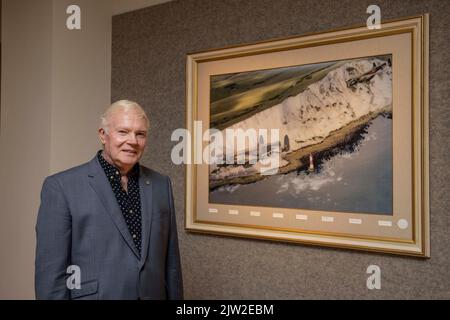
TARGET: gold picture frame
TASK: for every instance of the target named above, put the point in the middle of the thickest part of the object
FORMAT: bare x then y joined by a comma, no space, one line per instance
403,231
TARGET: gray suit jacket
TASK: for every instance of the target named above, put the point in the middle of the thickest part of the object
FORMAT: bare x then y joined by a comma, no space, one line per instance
80,223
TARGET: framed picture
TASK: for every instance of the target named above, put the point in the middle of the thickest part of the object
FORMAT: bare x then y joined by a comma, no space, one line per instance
320,139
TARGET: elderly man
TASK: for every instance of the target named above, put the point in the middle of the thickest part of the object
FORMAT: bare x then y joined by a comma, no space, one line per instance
109,223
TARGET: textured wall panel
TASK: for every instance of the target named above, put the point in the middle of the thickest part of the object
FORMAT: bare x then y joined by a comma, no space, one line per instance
148,65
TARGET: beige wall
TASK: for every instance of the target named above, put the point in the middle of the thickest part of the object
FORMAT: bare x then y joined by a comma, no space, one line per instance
81,73
55,83
25,142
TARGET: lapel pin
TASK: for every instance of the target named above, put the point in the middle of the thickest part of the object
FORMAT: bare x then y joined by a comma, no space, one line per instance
147,182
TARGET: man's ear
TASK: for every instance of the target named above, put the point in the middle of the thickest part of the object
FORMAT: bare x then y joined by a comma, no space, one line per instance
101,135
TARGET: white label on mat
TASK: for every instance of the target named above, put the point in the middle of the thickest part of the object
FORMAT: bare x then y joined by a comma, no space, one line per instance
327,219
384,223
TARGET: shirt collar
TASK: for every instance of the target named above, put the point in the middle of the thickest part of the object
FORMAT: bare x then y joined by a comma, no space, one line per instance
107,167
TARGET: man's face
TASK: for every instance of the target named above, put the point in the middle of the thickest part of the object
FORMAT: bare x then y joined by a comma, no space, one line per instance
125,141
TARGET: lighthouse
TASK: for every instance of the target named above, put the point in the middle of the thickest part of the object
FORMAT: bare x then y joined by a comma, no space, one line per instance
311,163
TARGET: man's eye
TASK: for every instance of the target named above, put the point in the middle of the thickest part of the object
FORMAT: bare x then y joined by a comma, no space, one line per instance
122,132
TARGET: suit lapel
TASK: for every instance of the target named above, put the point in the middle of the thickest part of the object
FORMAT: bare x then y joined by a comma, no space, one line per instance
102,187
145,189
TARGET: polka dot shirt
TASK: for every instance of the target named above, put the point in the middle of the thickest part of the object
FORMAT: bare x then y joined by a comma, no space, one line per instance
129,202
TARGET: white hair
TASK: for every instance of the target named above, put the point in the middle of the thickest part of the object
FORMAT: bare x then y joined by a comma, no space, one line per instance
122,105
